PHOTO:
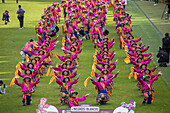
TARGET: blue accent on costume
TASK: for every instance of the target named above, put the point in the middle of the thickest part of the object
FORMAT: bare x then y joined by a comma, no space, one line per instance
28,98
102,91
149,98
65,92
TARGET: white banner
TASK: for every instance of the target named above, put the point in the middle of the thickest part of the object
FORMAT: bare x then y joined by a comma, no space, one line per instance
85,109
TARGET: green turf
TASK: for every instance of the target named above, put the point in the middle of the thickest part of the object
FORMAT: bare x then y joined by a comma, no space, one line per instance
154,13
13,39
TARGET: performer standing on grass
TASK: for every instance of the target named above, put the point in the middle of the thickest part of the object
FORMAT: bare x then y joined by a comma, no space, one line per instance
148,90
20,13
73,100
26,86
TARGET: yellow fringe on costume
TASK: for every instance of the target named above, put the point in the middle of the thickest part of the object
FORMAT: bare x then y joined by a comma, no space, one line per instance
126,48
111,86
130,75
49,59
51,80
86,81
16,74
13,80
92,73
29,49
57,65
40,70
48,72
131,69
95,59
135,75
51,53
94,67
63,40
18,67
108,93
52,73
127,60
27,58
76,62
123,44
56,55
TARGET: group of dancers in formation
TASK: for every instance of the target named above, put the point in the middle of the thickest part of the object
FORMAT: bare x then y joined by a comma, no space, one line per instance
92,15
135,52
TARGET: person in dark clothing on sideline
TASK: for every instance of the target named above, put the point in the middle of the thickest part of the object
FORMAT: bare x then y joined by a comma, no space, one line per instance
17,1
166,44
168,12
156,3
20,13
6,17
3,1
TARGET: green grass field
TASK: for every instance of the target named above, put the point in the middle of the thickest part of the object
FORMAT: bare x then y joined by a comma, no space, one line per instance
155,13
13,39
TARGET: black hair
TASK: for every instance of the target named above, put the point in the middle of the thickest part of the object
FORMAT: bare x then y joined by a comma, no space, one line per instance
69,61
131,36
148,70
66,71
28,70
31,40
43,46
1,82
48,37
140,51
166,34
19,6
140,55
32,65
34,59
137,60
38,58
64,80
40,51
143,65
104,70
26,78
47,43
107,65
74,48
76,43
63,65
100,79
